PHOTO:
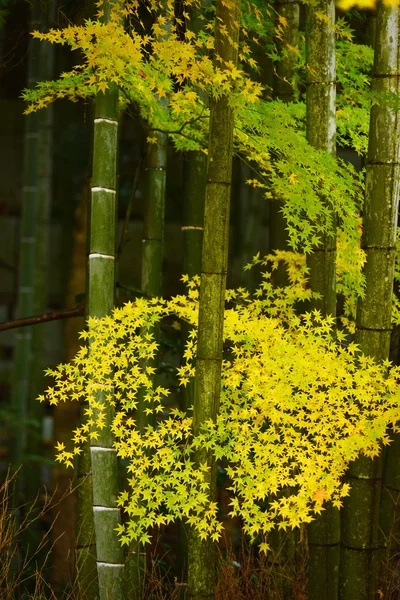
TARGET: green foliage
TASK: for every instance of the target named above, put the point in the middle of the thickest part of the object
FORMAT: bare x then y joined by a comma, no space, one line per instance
354,69
270,135
296,407
290,170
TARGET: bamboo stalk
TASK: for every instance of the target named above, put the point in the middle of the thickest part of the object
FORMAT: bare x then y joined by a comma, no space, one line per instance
324,532
360,513
290,11
151,285
42,258
101,264
202,554
27,256
321,133
102,486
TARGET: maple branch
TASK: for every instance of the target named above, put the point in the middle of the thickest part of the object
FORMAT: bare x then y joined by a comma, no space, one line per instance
180,130
43,318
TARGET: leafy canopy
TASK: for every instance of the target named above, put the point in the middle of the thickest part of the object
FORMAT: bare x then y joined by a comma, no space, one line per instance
170,59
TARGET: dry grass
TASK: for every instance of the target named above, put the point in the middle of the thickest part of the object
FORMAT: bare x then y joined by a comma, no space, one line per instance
244,574
280,575
22,570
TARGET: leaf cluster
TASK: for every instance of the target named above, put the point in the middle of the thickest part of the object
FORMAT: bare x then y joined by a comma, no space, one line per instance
297,405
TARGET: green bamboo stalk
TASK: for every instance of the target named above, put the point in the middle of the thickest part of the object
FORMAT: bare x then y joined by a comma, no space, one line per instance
101,264
194,187
28,249
102,486
151,285
195,171
290,10
202,554
321,133
360,513
153,229
86,579
41,283
324,532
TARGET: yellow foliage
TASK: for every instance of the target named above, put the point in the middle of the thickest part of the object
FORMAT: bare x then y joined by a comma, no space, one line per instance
297,405
363,4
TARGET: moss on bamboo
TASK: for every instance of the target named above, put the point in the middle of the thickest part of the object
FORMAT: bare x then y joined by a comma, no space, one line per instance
202,555
324,533
361,508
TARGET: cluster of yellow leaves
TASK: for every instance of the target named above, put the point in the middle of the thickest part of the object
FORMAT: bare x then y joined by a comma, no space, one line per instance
297,406
364,4
145,66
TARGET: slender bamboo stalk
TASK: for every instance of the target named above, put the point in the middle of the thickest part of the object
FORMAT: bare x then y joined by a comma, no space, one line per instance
290,11
195,171
153,230
202,554
103,490
360,513
41,283
28,249
151,285
194,187
101,264
321,133
84,540
324,532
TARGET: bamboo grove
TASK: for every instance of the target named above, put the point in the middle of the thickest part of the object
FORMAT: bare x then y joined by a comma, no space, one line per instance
286,387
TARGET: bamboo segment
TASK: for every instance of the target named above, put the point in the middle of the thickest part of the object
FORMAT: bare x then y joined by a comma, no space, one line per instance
194,182
283,90
193,215
324,532
42,257
321,133
153,232
27,255
101,264
202,554
151,285
361,507
195,172
194,195
100,302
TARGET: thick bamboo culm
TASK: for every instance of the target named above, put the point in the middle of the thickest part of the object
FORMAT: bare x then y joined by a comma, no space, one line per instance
202,554
360,514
